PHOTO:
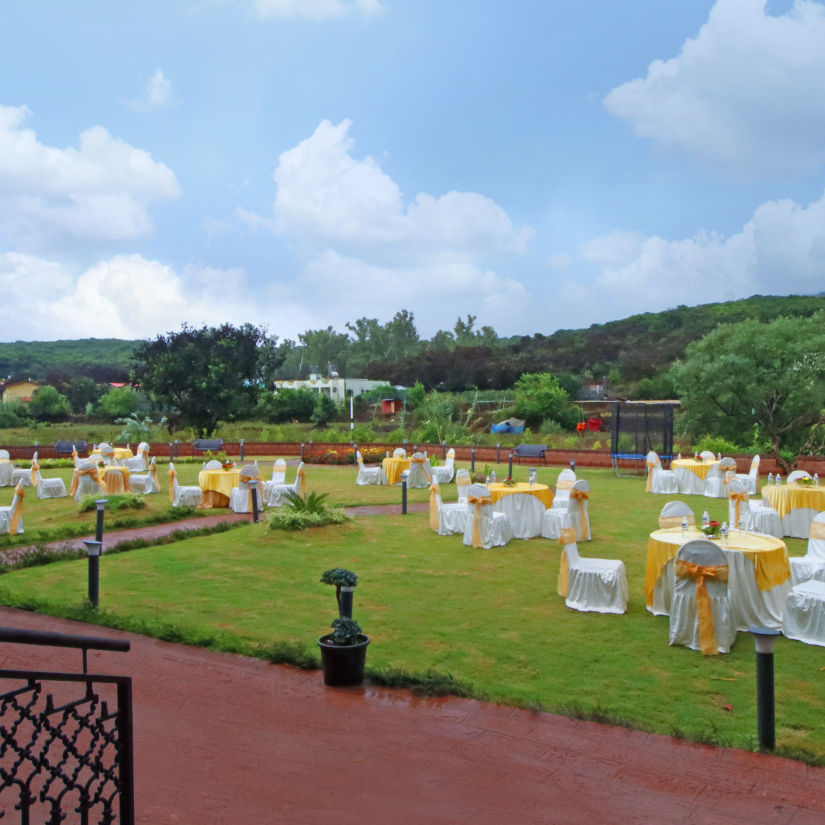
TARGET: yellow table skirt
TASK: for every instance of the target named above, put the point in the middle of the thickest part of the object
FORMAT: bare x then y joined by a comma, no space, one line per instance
114,479
393,467
541,491
217,486
786,497
768,555
699,468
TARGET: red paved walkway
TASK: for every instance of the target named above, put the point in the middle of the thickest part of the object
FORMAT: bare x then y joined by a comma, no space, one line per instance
226,739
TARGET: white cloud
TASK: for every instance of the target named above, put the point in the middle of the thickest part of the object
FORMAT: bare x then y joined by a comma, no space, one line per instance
746,94
315,10
97,192
158,93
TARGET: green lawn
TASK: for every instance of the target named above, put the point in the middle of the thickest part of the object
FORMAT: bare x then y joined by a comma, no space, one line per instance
490,618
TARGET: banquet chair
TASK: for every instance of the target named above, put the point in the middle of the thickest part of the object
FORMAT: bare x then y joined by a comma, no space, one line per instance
751,478
590,585
369,475
812,564
107,453
524,512
213,464
564,484
707,455
659,480
145,483
444,474
6,469
277,494
11,517
700,613
755,516
22,476
715,481
47,487
420,477
278,477
485,527
447,519
462,483
797,474
673,512
576,510
140,463
240,498
182,495
399,452
85,481
804,616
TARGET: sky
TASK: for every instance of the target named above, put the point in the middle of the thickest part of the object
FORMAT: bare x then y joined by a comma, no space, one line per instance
298,164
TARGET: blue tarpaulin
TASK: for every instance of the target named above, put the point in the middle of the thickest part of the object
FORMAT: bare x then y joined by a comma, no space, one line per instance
511,425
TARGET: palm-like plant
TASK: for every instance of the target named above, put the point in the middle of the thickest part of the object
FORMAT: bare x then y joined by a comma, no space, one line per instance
312,503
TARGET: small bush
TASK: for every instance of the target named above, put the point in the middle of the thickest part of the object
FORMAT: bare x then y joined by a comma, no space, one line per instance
113,503
295,520
716,444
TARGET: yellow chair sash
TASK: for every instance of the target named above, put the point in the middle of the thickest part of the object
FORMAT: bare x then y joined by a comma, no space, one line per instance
91,471
816,530
172,475
35,471
302,484
479,502
651,466
579,494
423,463
561,585
463,481
737,499
155,478
704,614
565,485
433,507
18,510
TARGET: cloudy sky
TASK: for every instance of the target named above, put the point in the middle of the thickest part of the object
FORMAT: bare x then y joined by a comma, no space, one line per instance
302,163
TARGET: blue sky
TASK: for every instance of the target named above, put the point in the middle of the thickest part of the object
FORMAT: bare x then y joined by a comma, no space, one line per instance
303,163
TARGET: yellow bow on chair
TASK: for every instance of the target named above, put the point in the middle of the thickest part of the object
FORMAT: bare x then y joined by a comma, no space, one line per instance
704,614
90,471
567,536
433,507
18,511
737,498
651,466
423,463
172,474
479,502
302,485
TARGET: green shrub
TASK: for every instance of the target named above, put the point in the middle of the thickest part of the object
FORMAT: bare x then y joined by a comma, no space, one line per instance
299,520
716,444
113,503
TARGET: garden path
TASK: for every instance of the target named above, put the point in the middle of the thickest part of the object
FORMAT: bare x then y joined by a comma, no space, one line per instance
222,739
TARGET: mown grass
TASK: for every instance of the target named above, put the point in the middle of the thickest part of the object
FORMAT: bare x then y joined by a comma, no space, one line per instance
487,622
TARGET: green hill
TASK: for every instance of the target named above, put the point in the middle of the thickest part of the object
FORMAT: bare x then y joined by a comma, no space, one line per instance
104,359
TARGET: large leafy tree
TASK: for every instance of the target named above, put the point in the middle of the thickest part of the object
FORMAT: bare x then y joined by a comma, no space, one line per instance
540,397
751,374
204,375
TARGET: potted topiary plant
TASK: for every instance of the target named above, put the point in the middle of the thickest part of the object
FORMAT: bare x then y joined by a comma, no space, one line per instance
344,651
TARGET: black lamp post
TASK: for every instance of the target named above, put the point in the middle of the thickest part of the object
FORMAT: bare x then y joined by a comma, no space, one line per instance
101,506
93,548
764,639
510,466
242,450
404,477
253,486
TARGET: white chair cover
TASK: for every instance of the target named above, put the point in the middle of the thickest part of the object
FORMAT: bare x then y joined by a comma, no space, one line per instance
715,483
278,477
6,469
399,452
659,480
673,512
700,587
47,487
447,519
87,485
140,463
707,455
564,484
812,564
145,483
240,500
107,453
444,474
797,474
524,512
7,514
22,476
754,516
804,617
276,494
590,585
183,495
369,475
213,464
484,527
751,479
462,483
420,476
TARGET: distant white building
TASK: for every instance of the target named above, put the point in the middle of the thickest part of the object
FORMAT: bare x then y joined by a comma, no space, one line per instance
337,388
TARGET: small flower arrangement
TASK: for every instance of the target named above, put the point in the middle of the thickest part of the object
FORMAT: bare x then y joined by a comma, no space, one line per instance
712,529
805,482
228,465
508,482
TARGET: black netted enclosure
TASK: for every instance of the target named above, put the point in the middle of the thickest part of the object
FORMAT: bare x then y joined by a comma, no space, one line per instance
636,428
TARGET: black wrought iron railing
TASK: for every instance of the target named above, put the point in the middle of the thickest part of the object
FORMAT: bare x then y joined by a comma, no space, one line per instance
65,739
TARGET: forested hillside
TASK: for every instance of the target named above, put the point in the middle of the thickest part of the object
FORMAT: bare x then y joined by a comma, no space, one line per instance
103,359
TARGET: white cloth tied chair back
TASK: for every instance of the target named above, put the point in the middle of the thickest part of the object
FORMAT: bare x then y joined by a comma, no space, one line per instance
20,475
47,487
524,512
673,512
107,453
213,464
447,519
277,494
369,475
278,477
707,455
140,462
182,495
86,481
804,616
6,469
399,452
576,510
797,474
751,478
700,613
812,564
589,584
146,483
240,498
485,527
420,476
564,484
11,517
715,483
462,483
444,474
752,515
658,479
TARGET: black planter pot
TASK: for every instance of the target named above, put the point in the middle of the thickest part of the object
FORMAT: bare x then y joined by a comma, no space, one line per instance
343,664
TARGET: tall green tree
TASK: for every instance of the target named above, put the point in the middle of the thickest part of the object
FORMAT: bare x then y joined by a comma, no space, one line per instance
48,404
540,397
203,375
771,376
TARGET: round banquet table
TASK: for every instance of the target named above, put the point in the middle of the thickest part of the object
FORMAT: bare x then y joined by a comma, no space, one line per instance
759,576
541,491
796,504
120,454
690,474
393,467
114,479
216,486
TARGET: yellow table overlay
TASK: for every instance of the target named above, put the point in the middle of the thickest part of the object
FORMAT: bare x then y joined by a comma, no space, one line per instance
541,491
699,468
786,497
393,467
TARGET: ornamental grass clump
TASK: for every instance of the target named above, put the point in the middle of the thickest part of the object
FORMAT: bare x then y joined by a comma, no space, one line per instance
299,513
